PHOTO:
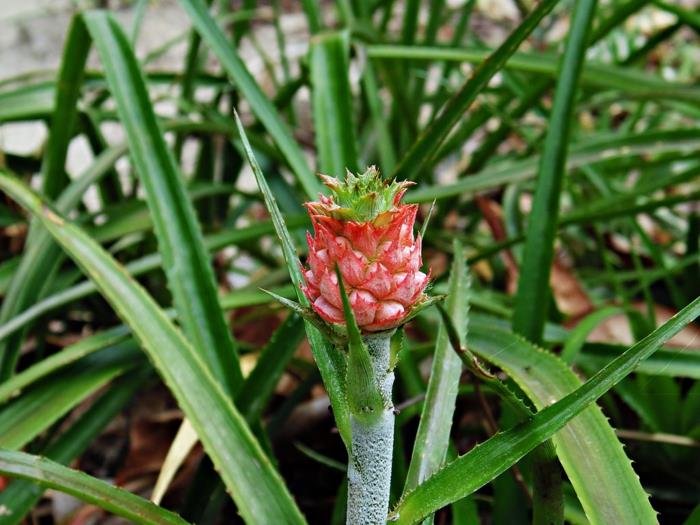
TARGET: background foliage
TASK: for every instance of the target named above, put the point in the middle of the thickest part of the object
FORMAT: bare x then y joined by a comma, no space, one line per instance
555,150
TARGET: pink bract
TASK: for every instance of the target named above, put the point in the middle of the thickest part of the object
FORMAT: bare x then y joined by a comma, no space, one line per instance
379,261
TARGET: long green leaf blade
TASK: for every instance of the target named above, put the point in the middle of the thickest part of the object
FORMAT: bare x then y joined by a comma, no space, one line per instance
65,114
431,138
670,362
586,152
483,463
26,417
91,490
591,454
328,359
21,495
260,384
14,385
190,276
433,435
256,487
634,83
332,103
259,103
42,260
532,298
136,267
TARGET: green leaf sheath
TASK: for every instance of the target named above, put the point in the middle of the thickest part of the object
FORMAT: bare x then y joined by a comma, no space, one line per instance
365,397
91,490
532,297
257,489
369,465
186,262
486,461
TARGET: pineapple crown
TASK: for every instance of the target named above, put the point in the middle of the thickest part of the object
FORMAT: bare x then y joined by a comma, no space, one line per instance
360,198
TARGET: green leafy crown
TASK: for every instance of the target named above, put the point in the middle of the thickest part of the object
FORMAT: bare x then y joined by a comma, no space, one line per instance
363,197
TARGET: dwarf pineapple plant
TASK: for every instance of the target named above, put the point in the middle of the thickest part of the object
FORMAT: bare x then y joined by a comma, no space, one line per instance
365,230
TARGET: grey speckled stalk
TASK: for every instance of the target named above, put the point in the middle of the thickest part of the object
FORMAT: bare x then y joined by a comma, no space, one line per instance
369,468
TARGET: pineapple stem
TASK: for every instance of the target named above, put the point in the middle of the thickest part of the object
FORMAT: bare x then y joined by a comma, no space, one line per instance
369,468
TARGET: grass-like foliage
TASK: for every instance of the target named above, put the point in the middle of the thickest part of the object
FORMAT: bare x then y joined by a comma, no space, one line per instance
549,152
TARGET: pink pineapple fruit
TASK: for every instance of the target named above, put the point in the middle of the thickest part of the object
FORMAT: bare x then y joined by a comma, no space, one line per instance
363,228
